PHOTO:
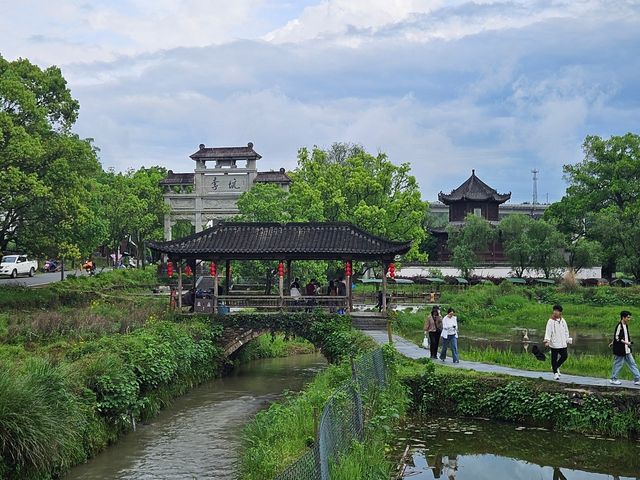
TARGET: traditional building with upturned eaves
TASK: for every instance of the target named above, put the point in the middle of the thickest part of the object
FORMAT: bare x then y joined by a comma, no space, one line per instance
212,191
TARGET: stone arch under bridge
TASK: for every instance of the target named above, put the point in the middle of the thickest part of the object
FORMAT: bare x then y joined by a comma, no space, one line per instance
317,328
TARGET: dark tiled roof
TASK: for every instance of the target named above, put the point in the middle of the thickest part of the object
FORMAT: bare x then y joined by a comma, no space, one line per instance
221,153
273,177
473,189
313,241
177,179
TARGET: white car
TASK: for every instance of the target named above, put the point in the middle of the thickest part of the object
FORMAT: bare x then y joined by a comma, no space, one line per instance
14,265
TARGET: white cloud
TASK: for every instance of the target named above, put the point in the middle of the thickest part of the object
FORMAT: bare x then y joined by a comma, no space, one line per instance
64,32
447,86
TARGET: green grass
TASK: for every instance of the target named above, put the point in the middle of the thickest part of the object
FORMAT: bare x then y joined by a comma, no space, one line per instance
494,312
279,435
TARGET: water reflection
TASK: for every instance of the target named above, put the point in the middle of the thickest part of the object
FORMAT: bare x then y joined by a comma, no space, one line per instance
447,448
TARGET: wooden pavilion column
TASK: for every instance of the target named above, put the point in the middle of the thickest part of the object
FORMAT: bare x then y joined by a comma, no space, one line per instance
349,289
385,266
288,274
227,278
180,286
280,287
215,289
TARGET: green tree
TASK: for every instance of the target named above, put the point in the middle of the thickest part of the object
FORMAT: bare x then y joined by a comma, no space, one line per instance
582,253
132,206
46,172
518,247
547,248
602,201
343,184
466,241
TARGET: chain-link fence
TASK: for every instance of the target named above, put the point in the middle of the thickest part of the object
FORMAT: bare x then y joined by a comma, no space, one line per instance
342,420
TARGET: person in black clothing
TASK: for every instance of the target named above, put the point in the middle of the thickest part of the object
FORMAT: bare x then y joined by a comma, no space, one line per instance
622,350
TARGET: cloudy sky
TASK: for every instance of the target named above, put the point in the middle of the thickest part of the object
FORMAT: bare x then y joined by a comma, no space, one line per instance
499,86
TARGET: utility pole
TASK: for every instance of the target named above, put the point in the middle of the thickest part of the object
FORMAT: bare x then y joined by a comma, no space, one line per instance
535,185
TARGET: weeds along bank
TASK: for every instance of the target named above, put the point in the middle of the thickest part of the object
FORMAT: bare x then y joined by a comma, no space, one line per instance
75,376
437,390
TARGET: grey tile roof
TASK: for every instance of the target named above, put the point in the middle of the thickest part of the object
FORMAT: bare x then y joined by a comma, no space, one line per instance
177,179
273,177
231,153
473,189
312,241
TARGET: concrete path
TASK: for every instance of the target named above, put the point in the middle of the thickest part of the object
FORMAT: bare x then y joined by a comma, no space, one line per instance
41,278
411,350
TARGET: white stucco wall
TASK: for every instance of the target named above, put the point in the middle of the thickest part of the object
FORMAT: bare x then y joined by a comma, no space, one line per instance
497,272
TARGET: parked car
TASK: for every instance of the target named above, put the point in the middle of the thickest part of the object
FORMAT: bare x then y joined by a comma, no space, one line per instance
14,265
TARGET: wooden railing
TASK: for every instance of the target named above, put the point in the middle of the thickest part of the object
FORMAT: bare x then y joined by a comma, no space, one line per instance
397,298
273,303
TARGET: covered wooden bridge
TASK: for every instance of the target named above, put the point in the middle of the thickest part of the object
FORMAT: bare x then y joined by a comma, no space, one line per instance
283,244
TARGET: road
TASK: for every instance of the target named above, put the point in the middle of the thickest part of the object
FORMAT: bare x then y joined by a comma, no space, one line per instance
39,278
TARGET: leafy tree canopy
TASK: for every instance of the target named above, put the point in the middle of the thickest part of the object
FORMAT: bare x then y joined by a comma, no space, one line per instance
602,202
345,183
464,242
47,173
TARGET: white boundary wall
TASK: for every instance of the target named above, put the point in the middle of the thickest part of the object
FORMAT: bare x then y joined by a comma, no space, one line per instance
496,272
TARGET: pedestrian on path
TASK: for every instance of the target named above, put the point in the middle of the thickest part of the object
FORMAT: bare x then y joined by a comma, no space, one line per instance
450,335
433,327
622,350
556,337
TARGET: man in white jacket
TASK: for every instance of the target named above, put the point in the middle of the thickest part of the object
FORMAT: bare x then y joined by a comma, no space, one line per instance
556,337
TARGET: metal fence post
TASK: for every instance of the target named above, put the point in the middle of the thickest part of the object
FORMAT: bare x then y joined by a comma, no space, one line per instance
358,399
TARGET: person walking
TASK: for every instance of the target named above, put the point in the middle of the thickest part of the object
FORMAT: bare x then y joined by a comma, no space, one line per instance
556,337
450,335
622,350
433,328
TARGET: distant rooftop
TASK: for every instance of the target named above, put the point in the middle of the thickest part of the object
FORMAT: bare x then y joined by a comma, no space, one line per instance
226,153
473,189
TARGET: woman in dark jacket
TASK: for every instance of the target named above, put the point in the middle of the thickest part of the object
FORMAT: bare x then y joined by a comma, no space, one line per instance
433,327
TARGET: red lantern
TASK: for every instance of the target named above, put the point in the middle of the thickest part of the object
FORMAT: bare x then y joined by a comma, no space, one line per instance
212,269
392,270
170,269
280,269
187,271
347,269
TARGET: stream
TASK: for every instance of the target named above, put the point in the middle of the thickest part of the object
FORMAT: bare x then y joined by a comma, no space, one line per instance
198,436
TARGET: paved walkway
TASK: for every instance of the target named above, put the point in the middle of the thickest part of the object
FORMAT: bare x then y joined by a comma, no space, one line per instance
411,350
